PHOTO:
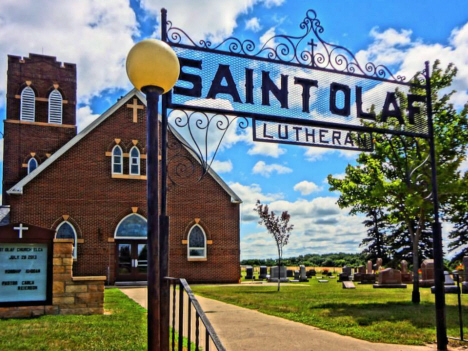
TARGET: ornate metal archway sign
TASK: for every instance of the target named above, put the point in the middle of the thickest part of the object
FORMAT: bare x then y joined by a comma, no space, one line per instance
297,90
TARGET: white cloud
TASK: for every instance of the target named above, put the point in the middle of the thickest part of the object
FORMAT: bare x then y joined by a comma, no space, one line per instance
85,116
249,195
266,170
392,47
253,24
222,166
266,149
216,20
82,32
265,38
316,153
320,226
307,188
272,3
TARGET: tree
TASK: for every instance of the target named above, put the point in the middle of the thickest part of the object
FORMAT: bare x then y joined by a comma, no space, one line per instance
279,227
375,244
397,175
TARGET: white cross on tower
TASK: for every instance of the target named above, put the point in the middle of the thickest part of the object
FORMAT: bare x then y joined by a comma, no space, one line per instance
20,229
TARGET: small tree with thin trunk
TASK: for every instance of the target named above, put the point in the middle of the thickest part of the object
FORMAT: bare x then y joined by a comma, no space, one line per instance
279,227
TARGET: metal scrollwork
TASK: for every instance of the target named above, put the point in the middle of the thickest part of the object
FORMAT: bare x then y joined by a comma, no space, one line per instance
200,137
314,52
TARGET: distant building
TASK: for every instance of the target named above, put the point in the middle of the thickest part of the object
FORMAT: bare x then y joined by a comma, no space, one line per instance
91,186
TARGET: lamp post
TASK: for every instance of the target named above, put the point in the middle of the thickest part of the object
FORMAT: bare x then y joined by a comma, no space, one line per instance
153,68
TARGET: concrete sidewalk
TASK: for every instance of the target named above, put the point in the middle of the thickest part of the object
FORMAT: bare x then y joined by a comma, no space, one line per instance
242,329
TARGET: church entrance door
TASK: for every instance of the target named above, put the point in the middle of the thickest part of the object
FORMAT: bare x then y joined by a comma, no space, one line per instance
132,260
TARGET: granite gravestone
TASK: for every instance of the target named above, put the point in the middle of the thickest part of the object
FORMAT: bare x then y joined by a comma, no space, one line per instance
449,285
290,273
369,277
275,275
249,272
427,274
406,277
345,275
389,278
302,274
263,273
360,271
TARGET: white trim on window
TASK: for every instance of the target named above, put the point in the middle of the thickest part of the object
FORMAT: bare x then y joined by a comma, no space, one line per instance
129,237
55,107
118,158
200,249
32,164
75,239
134,164
28,105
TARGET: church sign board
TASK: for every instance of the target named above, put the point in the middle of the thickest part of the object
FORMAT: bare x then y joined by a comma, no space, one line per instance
25,265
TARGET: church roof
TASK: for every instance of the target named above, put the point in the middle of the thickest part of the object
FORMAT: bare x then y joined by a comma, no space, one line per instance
4,215
17,189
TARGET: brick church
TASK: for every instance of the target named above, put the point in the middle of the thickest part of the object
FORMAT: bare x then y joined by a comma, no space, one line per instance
91,186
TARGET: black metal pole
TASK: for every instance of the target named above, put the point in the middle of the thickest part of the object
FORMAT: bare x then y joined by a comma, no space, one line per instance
164,219
152,172
439,277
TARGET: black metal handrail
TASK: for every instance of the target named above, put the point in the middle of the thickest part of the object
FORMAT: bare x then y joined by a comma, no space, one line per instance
456,275
178,318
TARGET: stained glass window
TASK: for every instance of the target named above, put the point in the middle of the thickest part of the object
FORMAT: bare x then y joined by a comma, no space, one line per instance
197,243
66,231
132,226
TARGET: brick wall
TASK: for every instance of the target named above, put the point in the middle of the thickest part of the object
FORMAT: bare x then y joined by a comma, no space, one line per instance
70,295
79,185
42,73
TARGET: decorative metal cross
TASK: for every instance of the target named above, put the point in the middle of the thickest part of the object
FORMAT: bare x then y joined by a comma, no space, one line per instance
135,108
20,229
312,54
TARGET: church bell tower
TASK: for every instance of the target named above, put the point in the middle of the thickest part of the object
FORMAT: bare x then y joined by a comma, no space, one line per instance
40,114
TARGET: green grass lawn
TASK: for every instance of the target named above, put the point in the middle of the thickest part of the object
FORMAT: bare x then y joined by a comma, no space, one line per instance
124,328
376,315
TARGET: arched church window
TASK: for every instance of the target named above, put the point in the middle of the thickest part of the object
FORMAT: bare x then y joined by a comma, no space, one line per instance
134,161
117,160
132,226
27,108
196,243
32,165
65,230
55,107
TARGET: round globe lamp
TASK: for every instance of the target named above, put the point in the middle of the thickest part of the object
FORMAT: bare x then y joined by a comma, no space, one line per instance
153,68
152,63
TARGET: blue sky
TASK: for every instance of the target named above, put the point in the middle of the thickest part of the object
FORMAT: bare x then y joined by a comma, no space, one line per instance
97,35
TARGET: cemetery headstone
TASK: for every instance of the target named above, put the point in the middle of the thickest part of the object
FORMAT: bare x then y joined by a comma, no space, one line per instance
378,264
427,274
348,285
296,275
275,275
290,273
263,273
360,271
390,278
345,275
311,273
449,286
323,281
406,277
249,272
368,277
302,274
